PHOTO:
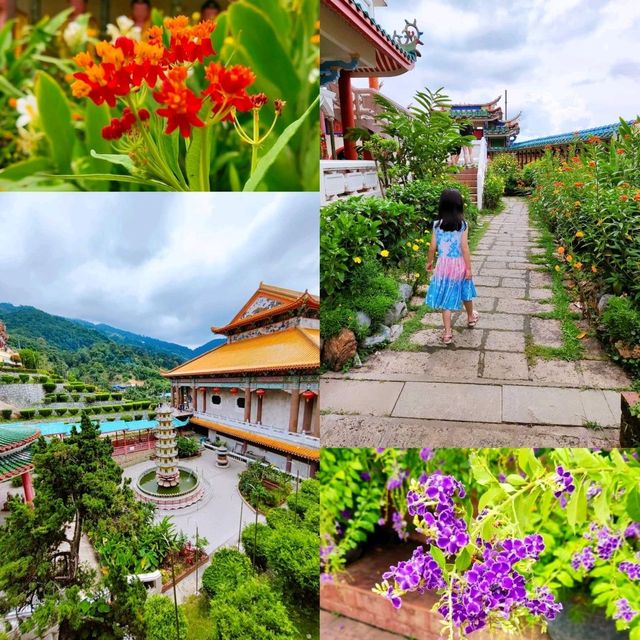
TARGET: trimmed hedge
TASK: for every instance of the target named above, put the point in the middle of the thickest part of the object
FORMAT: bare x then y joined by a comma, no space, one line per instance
48,387
45,413
229,568
60,412
6,414
27,413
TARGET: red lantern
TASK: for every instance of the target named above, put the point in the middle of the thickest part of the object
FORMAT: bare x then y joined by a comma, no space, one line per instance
308,395
233,391
260,392
216,390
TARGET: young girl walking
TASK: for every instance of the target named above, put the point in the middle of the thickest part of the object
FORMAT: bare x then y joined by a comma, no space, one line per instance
451,284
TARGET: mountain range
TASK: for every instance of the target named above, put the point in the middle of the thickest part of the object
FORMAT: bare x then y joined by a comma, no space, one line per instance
74,340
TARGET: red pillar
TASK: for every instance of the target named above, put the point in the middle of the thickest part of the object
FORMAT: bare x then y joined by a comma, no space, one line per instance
27,487
346,109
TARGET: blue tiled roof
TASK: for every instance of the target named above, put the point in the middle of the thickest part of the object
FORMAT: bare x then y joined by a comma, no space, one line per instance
379,28
562,138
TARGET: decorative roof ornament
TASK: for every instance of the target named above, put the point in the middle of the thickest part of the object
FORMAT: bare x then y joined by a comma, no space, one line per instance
409,38
330,69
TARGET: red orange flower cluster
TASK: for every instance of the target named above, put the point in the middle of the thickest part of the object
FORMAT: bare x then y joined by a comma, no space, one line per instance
119,127
122,67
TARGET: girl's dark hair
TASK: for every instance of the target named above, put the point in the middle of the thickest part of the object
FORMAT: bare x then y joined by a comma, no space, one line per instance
451,210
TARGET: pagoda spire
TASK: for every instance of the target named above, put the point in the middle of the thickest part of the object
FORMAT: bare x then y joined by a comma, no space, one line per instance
167,473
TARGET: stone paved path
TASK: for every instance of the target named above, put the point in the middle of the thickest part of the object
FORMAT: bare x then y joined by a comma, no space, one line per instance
482,391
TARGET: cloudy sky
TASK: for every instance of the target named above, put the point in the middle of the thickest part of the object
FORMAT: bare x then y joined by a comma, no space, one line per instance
567,64
166,266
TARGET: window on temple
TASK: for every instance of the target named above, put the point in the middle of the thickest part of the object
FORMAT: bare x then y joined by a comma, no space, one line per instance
240,403
216,399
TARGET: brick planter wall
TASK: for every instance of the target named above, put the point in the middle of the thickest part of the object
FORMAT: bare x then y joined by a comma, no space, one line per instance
629,425
351,596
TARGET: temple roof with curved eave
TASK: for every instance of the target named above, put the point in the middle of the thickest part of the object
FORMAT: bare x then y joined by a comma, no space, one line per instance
265,304
15,450
605,132
296,349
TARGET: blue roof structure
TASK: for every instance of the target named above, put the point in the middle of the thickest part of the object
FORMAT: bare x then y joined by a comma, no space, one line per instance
605,131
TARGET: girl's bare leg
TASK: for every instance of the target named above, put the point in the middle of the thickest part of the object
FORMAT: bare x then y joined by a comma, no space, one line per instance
468,305
446,320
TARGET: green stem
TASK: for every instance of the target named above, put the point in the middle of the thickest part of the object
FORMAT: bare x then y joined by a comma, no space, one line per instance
205,160
256,138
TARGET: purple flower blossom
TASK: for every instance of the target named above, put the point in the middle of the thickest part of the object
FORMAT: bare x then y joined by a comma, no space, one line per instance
399,525
394,483
633,530
593,490
632,569
564,485
365,475
426,454
584,559
502,478
624,611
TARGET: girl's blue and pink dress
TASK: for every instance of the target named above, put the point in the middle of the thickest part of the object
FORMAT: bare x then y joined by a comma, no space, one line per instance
448,286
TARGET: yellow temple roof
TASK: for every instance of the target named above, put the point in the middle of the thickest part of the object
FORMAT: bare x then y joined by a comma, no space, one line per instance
294,348
273,443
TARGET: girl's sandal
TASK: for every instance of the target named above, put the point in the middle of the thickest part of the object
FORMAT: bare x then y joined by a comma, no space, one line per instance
447,338
474,320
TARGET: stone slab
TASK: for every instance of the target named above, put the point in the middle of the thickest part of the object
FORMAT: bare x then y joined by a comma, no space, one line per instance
433,338
558,372
537,279
554,405
604,375
522,306
504,321
539,294
511,341
486,281
500,292
499,365
513,282
449,401
432,319
362,397
485,304
503,273
546,333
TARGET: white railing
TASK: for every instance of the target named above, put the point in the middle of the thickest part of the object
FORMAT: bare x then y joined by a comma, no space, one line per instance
481,147
344,178
263,430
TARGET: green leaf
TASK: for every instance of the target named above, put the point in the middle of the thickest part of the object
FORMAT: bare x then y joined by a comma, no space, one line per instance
577,507
97,117
25,168
55,117
633,504
156,184
463,561
438,556
564,579
198,162
270,157
601,507
121,159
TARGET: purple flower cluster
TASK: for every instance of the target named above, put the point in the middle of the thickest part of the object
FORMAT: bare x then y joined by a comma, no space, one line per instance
396,480
633,530
564,485
433,502
399,525
624,611
419,573
632,569
584,559
426,454
593,490
494,586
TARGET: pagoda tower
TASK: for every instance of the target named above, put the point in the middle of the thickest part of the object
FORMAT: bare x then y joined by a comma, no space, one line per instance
167,473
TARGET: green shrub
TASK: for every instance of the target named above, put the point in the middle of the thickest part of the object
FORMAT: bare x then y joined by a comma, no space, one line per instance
6,413
187,447
250,612
89,398
62,397
110,418
48,399
60,412
293,556
493,190
107,408
75,397
90,387
126,418
45,413
505,166
282,518
116,396
7,379
259,543
160,619
24,377
151,415
73,411
137,416
27,414
621,320
312,517
228,569
48,387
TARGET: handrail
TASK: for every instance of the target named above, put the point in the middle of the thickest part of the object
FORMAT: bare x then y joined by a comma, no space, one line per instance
482,170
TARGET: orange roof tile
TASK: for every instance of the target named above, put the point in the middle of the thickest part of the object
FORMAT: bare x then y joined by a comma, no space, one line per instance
289,349
273,443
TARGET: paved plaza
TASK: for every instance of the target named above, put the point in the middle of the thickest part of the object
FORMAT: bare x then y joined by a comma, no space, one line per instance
482,391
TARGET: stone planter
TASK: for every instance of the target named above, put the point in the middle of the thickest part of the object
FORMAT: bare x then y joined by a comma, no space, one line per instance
629,425
221,457
270,485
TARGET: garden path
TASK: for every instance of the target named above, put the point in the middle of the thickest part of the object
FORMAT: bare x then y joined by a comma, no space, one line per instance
483,390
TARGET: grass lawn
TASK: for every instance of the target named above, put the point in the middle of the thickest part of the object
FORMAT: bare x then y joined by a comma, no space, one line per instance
196,609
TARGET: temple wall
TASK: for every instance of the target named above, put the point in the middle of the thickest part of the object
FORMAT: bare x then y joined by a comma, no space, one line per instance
276,407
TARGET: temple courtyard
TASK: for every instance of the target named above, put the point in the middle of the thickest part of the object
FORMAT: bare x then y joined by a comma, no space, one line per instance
483,391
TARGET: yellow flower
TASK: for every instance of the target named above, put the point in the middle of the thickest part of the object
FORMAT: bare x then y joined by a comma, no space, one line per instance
560,250
408,244
557,267
577,265
600,222
384,253
357,259
415,247
593,268
569,258
579,234
416,274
